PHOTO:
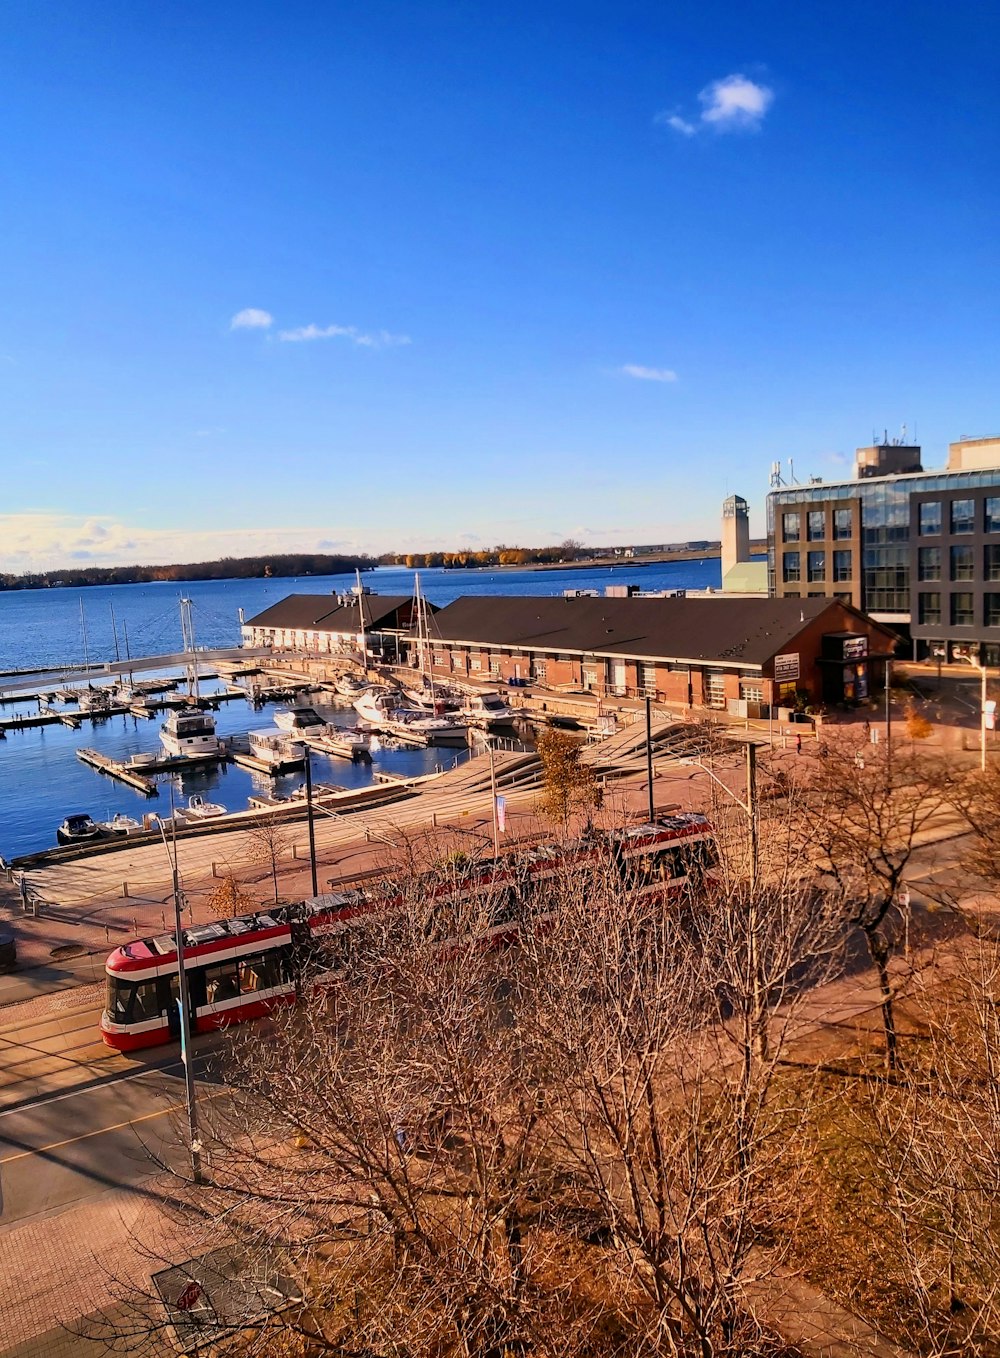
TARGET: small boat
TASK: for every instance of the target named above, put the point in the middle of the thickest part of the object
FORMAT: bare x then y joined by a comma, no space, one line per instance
349,685
486,708
198,809
121,824
190,732
345,741
303,720
94,700
275,749
78,829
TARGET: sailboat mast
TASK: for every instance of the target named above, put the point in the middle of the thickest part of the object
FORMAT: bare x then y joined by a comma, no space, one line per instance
361,615
422,639
114,633
187,636
83,628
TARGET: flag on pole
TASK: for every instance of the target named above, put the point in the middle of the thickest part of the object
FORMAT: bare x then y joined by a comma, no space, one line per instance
501,813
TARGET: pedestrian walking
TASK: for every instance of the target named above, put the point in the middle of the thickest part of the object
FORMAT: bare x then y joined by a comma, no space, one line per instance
798,744
867,729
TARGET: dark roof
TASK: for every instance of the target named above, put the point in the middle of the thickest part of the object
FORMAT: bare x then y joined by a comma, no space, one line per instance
737,631
323,613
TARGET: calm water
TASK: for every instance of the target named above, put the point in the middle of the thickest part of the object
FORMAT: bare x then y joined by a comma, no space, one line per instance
41,780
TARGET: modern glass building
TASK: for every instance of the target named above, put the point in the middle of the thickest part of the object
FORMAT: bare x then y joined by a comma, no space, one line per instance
920,551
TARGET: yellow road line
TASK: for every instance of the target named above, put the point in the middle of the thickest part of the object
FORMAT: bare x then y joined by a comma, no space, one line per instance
100,1131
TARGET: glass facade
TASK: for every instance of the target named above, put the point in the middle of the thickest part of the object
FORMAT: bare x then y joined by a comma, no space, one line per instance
816,566
790,527
816,525
963,565
947,507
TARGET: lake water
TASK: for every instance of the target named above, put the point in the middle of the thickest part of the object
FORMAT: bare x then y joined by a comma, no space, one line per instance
41,780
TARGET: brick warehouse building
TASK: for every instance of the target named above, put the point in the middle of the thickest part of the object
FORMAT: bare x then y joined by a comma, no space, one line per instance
699,652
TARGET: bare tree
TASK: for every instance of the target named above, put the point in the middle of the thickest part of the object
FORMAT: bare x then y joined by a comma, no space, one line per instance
860,816
267,841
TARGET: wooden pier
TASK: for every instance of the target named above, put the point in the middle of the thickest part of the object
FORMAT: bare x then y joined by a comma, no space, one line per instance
114,768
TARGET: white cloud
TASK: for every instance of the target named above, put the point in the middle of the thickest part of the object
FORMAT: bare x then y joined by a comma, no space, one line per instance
379,339
251,318
648,374
679,124
733,104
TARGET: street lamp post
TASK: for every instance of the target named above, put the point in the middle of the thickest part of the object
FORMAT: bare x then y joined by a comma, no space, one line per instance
982,710
183,1005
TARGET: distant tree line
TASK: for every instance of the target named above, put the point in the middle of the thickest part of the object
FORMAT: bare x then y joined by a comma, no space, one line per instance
500,555
227,568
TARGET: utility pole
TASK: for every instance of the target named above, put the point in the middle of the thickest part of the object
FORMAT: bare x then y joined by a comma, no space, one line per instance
183,1003
309,821
751,809
493,798
649,759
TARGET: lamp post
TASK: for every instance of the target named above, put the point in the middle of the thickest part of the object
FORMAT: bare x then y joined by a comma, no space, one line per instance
183,1004
982,710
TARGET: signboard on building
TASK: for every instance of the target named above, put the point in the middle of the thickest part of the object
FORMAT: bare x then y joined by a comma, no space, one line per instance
855,648
786,668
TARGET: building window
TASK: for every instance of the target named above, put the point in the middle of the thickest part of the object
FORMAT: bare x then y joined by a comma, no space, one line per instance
962,564
494,669
715,689
842,566
929,518
991,610
929,563
816,525
791,567
752,690
539,670
963,516
790,527
991,514
929,609
475,662
962,609
816,566
647,677
842,525
991,562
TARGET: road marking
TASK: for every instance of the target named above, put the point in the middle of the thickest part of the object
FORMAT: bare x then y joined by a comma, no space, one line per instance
101,1131
78,1092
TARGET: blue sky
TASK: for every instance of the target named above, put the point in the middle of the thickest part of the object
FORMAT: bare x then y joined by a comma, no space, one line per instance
528,271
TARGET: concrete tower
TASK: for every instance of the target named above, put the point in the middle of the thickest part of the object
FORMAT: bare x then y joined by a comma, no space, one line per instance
735,532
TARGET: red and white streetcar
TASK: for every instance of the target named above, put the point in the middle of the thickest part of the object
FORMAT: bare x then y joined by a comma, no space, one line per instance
242,968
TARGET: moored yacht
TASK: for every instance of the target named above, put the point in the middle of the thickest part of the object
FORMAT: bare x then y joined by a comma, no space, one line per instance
486,708
190,732
302,720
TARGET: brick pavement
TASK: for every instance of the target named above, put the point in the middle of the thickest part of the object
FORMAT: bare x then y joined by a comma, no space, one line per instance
81,1262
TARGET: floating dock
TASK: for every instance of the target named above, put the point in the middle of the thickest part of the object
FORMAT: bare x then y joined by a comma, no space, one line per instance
115,768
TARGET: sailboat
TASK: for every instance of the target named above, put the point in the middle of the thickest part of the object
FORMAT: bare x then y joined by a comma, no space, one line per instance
188,731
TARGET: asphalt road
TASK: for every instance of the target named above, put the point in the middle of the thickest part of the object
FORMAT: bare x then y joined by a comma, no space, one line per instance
115,1131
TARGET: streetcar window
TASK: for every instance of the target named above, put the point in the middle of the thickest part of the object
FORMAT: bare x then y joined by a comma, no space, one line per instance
221,983
119,994
258,973
129,1002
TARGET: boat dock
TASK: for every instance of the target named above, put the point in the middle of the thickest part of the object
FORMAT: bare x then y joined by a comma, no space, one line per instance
115,768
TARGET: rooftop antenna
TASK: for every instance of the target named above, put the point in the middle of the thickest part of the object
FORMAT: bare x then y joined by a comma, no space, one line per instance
776,479
791,473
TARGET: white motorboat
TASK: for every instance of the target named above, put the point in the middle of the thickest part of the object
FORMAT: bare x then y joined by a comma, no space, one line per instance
349,685
347,742
121,824
383,710
275,749
486,708
198,809
302,720
190,732
377,705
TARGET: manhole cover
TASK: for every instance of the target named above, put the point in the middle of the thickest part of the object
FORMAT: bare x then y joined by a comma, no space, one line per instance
67,950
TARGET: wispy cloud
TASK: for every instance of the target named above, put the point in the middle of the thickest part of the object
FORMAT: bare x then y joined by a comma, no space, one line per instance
377,339
733,104
643,374
251,318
